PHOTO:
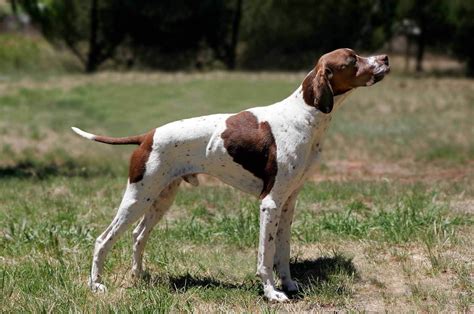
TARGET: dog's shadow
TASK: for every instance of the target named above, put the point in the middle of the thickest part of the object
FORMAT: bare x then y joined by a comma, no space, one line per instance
307,273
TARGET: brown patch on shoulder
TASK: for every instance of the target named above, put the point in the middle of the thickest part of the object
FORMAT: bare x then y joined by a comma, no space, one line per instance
140,157
252,145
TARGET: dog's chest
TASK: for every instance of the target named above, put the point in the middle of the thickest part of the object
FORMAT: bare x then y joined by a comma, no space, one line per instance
314,146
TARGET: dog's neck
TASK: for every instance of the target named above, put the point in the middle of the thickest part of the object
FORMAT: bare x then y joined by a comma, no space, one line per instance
338,100
310,116
311,113
297,96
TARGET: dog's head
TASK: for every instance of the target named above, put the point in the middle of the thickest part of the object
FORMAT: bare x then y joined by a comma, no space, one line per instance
338,72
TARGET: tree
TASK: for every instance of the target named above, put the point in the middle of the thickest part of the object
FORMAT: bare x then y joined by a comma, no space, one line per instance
174,34
235,34
92,30
462,19
222,35
431,18
280,34
14,7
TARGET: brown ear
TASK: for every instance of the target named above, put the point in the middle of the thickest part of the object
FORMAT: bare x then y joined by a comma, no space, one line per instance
317,90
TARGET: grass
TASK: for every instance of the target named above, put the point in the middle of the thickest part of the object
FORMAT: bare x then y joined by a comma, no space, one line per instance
384,225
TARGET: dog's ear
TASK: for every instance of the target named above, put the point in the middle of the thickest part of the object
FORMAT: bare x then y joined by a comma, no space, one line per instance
317,90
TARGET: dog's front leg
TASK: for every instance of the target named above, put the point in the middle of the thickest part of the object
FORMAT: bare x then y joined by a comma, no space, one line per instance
270,209
282,251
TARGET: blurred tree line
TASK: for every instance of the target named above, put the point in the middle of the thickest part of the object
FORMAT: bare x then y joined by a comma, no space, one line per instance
257,34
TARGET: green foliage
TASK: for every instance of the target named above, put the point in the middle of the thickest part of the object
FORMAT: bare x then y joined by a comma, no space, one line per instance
28,54
92,30
165,34
284,35
186,34
262,34
431,16
446,25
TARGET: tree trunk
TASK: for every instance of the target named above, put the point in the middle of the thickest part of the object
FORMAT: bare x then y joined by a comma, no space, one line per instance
420,51
470,67
232,53
94,50
421,40
407,53
14,7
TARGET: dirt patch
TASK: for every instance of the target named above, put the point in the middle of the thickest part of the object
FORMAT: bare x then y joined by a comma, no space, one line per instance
393,277
405,171
464,206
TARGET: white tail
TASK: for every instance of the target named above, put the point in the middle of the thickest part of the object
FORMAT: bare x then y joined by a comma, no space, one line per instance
84,134
135,139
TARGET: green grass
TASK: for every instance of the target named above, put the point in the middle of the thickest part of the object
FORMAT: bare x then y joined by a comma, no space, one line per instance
207,257
386,225
375,124
448,152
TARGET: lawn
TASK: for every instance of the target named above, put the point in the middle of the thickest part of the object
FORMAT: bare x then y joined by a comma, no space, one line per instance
386,223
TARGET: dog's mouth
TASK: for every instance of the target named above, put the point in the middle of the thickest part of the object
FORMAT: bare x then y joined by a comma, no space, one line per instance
380,73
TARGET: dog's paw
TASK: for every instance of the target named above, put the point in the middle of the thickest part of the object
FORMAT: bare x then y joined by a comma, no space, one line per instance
273,295
98,287
290,286
139,275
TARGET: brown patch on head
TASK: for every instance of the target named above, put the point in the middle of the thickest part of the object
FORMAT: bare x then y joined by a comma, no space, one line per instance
252,145
140,157
340,71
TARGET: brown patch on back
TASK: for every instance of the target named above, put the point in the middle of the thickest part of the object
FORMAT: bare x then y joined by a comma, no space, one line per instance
252,145
140,157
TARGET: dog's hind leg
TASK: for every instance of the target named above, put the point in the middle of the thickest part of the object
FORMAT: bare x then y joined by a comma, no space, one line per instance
151,218
135,202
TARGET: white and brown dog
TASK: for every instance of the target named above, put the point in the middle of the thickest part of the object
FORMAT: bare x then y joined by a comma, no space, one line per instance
266,151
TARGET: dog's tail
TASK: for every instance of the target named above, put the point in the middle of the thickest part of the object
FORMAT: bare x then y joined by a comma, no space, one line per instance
136,139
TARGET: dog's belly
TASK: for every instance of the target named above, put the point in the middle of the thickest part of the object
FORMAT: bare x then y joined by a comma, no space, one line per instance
240,179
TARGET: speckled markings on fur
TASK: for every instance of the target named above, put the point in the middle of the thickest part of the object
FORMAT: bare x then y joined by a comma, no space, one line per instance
265,151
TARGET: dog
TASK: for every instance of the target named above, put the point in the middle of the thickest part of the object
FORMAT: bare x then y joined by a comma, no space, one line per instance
265,151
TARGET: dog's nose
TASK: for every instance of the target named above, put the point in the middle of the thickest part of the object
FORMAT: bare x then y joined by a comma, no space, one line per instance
384,59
